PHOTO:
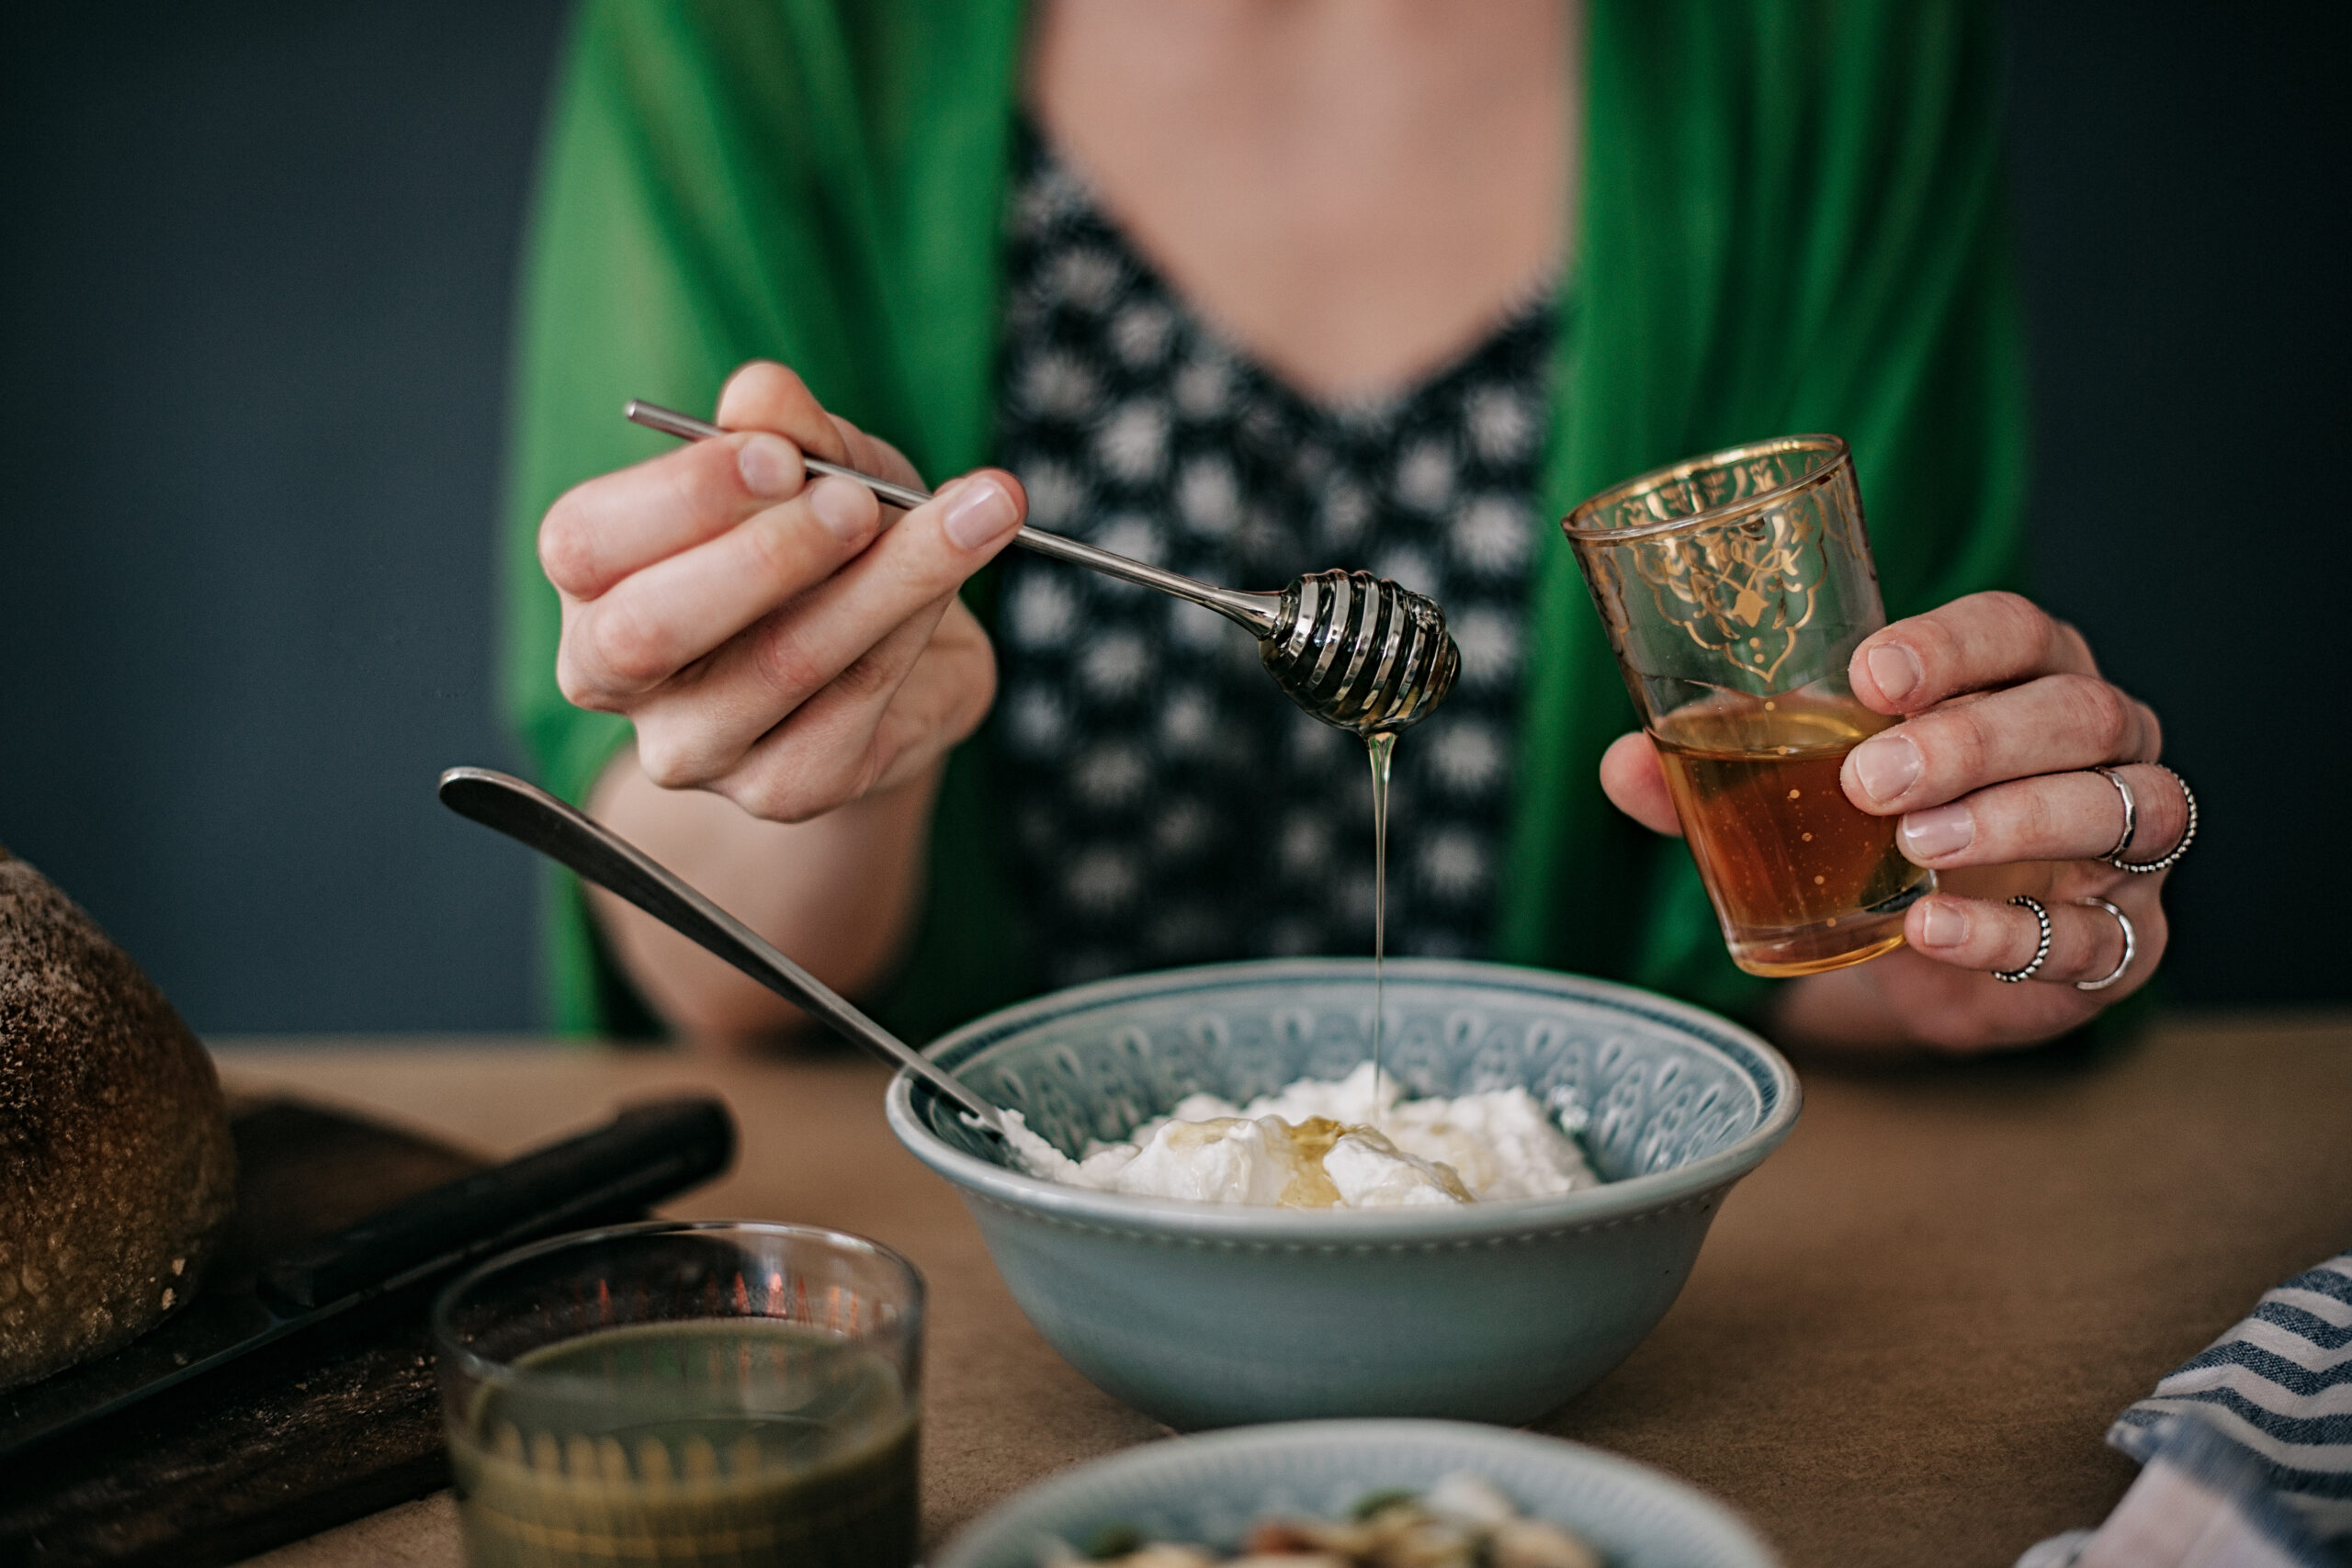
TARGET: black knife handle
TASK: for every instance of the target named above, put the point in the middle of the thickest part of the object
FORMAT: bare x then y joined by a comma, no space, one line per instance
648,1153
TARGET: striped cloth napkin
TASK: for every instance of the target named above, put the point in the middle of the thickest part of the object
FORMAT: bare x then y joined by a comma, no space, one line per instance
2246,1449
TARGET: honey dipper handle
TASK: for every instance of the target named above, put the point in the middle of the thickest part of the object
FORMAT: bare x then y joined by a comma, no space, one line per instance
1253,611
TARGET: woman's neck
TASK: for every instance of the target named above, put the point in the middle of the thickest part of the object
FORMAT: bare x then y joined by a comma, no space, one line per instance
1355,191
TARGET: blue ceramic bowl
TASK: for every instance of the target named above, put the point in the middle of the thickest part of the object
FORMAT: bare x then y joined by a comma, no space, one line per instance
1210,1489
1209,1315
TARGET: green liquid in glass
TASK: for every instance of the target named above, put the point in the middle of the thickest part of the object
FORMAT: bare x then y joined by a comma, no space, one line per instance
713,1443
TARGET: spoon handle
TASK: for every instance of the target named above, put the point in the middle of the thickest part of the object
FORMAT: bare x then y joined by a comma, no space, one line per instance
526,813
1255,610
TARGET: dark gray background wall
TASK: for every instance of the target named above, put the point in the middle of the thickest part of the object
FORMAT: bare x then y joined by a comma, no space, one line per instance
257,260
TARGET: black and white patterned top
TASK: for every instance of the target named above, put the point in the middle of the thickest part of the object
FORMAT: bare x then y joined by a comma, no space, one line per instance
1166,803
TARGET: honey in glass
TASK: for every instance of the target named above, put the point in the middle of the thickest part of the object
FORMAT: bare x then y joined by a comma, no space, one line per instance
1802,879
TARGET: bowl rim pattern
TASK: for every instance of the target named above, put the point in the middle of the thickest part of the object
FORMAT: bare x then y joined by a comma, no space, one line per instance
1630,1199
1000,1527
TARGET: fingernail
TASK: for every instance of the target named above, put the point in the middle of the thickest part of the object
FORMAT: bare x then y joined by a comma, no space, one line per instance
1886,765
769,466
1939,831
846,508
1942,925
1895,668
980,514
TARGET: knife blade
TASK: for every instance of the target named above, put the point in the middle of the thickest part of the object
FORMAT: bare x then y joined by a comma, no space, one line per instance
646,1152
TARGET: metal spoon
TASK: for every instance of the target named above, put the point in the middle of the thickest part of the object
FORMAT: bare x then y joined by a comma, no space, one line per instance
531,815
1355,650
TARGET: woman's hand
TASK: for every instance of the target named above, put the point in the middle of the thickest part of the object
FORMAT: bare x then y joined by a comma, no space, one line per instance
2003,714
778,642
794,648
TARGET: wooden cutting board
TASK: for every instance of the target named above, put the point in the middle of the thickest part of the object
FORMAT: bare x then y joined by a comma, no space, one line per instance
272,1450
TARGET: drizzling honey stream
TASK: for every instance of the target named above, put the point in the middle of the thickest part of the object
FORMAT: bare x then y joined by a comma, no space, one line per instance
1381,745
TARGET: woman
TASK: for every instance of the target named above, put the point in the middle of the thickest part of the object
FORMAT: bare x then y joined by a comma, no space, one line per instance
1195,272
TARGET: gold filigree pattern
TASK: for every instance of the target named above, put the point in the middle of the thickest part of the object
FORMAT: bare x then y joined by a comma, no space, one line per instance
1743,590
1739,553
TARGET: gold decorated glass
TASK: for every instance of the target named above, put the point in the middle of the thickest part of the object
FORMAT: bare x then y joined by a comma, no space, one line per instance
1734,588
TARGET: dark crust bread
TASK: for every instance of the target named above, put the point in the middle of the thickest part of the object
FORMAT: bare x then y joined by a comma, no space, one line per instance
116,1168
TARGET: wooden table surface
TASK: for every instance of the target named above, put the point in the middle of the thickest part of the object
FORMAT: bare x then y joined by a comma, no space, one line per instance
1903,1342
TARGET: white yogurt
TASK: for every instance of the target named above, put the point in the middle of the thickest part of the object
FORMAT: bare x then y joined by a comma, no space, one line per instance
1314,1146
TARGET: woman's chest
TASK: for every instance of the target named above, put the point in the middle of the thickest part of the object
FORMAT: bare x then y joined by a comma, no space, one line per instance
1354,193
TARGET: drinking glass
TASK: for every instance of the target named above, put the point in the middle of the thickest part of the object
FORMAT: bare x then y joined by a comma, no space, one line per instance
704,1395
1736,587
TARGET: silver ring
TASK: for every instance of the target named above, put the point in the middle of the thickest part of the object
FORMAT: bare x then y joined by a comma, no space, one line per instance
2040,952
2130,944
2131,813
2142,868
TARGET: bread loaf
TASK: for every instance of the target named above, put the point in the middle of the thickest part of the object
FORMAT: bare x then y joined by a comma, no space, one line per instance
116,1169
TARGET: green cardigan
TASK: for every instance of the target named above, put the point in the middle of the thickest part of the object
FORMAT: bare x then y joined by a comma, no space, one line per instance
1792,219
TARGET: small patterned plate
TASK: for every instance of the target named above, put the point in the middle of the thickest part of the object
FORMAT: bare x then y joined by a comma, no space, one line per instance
1209,1489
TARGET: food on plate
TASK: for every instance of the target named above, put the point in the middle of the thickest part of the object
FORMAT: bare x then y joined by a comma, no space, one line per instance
1461,1522
1317,1145
116,1169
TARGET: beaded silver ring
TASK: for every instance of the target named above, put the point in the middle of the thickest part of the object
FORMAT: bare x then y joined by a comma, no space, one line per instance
2042,949
2115,857
2130,944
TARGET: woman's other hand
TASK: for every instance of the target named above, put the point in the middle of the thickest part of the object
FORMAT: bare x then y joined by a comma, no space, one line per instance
792,646
2004,712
